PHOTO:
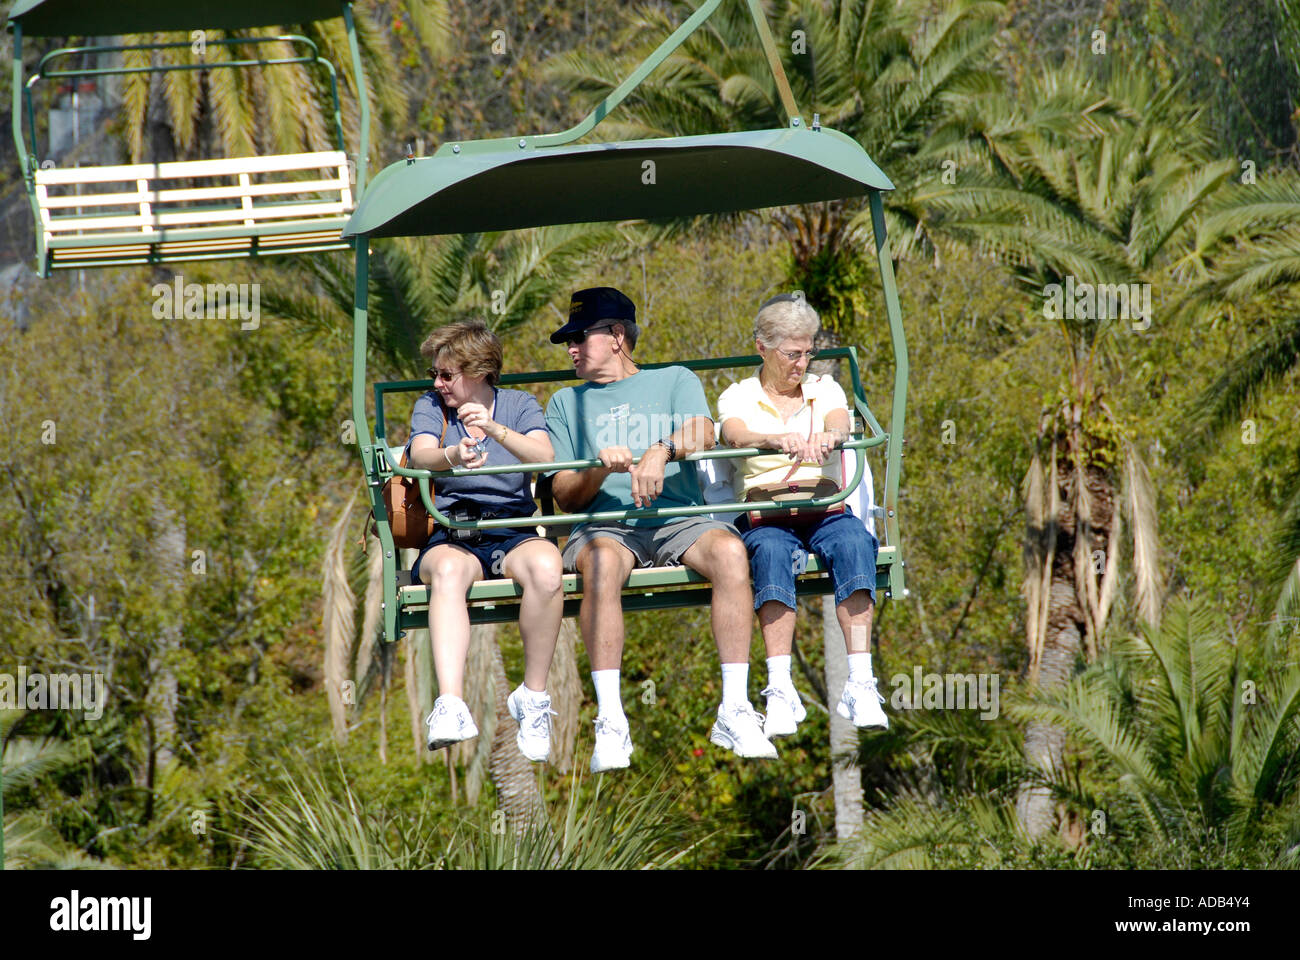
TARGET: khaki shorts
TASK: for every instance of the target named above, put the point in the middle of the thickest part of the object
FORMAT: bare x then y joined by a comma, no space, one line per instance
658,546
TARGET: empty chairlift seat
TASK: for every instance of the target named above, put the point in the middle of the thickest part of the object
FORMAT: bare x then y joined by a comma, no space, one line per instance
210,209
195,209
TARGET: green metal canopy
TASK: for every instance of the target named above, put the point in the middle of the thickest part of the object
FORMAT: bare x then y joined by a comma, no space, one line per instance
61,18
510,184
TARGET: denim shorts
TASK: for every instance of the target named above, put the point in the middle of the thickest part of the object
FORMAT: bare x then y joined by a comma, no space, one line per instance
491,548
777,554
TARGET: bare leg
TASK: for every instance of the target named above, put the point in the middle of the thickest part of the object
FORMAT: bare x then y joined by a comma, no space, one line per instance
854,613
605,565
449,571
722,558
535,566
776,620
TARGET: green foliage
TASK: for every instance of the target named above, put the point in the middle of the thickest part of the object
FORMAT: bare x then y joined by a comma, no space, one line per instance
1195,740
315,820
233,438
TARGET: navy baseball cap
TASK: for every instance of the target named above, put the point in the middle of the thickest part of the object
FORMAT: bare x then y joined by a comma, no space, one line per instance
589,307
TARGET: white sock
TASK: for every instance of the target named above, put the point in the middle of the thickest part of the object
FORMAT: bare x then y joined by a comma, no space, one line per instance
859,666
735,682
535,696
609,702
778,672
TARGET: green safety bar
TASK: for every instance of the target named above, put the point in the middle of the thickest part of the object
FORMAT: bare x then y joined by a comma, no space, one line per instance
386,467
291,38
424,476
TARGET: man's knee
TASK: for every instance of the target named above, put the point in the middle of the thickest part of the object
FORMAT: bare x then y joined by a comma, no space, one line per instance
726,556
604,564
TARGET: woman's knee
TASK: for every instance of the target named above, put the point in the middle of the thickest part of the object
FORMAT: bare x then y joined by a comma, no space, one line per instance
448,572
540,571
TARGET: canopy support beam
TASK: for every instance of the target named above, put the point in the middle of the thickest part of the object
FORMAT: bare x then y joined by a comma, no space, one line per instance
363,98
661,53
370,451
792,117
894,463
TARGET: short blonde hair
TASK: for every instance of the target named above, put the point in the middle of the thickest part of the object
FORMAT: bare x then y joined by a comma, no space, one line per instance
474,348
785,317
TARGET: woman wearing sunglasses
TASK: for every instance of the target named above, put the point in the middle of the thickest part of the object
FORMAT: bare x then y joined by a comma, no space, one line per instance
803,418
467,421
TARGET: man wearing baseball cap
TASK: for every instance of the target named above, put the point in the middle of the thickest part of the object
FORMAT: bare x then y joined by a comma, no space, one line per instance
619,414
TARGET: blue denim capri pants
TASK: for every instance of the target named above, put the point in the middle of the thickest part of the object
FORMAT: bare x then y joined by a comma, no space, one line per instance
778,554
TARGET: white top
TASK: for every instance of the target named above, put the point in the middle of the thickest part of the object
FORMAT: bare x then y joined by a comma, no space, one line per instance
748,402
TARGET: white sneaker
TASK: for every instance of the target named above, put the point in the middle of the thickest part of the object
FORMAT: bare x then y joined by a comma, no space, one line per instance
740,729
533,715
785,711
860,703
613,745
449,722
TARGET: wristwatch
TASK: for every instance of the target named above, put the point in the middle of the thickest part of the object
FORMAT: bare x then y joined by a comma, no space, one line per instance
667,445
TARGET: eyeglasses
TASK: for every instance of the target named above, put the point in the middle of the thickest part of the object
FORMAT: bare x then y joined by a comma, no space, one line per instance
581,335
446,376
794,356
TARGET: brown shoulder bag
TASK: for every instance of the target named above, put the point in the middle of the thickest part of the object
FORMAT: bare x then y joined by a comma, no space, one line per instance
409,520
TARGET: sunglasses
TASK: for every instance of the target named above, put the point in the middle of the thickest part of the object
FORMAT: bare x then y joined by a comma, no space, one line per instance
581,335
446,376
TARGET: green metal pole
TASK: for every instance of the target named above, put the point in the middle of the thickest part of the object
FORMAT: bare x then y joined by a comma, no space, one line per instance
363,99
17,105
899,337
370,451
25,161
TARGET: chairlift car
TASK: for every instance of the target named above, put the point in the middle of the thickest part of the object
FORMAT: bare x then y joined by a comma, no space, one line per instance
221,208
513,183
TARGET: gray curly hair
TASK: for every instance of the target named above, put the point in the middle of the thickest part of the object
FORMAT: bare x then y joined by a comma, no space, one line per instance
787,316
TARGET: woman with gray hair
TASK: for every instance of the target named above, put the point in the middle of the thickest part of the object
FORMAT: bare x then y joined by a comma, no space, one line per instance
802,418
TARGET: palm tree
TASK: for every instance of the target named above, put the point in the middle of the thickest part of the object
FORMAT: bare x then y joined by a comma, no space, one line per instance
1203,742
286,108
1191,740
1250,243
27,841
1118,207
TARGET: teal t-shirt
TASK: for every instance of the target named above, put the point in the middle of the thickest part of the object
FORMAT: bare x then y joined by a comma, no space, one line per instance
633,412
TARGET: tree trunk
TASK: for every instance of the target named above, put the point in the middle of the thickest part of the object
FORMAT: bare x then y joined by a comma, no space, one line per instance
565,687
846,775
1045,742
172,570
1083,523
513,775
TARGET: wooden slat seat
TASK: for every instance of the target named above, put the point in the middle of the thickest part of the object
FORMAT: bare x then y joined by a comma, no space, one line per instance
193,209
